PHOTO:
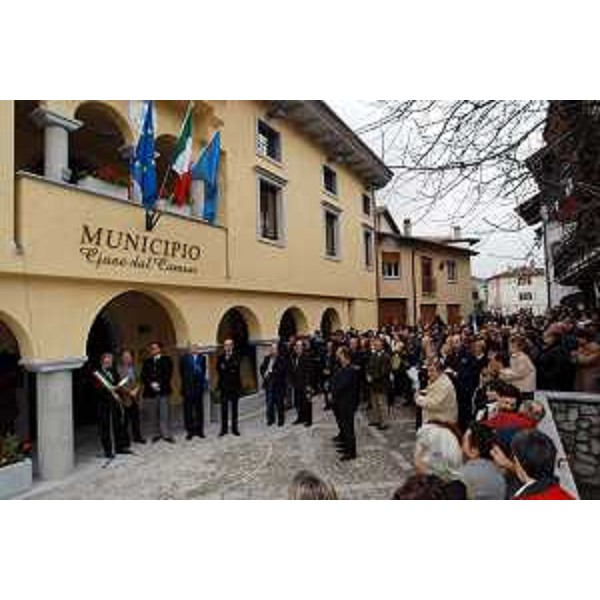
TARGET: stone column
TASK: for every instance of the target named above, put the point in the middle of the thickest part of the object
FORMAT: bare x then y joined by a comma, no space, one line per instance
55,435
56,142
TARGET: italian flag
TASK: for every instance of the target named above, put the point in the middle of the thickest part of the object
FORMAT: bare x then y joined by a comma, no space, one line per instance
182,162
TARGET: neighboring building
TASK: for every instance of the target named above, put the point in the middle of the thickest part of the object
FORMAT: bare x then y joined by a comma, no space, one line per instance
291,250
567,172
551,230
421,278
518,289
479,289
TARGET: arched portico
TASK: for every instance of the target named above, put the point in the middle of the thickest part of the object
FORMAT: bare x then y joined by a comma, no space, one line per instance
240,324
330,322
293,322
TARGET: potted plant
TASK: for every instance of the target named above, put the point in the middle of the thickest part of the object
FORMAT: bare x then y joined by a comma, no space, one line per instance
15,466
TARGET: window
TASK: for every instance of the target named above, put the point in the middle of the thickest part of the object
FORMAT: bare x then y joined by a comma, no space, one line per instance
368,248
427,281
268,142
390,265
452,271
270,211
366,205
332,234
330,180
525,296
524,280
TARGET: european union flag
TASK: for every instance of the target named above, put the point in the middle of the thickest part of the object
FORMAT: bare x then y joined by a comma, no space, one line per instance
144,165
207,170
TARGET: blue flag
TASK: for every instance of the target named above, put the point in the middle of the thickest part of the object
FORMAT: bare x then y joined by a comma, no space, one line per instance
207,170
144,166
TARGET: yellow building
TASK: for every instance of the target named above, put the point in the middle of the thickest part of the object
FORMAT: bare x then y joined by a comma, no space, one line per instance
79,273
420,278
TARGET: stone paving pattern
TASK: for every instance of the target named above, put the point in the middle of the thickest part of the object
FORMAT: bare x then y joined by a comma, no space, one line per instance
258,465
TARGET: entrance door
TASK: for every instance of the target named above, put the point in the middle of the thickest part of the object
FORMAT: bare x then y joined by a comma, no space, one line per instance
428,313
392,312
453,312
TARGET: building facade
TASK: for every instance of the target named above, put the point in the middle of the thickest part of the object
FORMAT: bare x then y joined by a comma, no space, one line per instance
518,289
567,172
80,274
420,278
479,288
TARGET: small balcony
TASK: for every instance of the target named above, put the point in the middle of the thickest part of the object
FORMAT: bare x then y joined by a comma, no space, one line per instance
576,258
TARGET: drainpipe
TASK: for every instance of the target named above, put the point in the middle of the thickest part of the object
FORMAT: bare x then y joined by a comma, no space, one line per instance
414,286
377,263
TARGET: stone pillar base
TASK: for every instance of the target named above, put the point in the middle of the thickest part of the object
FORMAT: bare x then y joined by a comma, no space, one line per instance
55,435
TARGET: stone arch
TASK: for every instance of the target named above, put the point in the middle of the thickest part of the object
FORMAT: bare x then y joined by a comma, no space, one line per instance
241,324
108,113
19,333
129,320
330,321
98,149
230,319
17,404
181,335
293,321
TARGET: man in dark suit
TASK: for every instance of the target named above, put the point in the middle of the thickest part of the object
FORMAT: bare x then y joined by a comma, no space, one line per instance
302,384
274,373
192,368
156,376
346,397
230,387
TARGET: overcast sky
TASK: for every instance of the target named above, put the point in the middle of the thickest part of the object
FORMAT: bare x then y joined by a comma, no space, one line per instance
498,250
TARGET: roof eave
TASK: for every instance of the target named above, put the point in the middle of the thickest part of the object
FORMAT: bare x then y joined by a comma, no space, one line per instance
342,145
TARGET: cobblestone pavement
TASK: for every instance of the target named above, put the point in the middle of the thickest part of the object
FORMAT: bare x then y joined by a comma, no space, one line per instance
258,465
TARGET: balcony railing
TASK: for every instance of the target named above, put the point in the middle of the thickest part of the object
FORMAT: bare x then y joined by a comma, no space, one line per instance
574,256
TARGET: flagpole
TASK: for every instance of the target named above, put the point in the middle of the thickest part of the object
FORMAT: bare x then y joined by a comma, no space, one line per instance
170,168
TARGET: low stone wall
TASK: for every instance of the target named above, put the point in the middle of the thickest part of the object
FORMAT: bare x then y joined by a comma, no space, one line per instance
548,426
577,419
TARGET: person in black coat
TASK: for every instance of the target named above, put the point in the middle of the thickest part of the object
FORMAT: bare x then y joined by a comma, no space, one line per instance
156,376
229,385
301,381
192,369
345,397
328,367
273,370
555,369
465,376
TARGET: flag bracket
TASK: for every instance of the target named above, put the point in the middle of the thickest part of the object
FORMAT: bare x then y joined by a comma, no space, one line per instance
152,219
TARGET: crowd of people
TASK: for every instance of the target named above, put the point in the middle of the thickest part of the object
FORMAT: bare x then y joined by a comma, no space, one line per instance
471,385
